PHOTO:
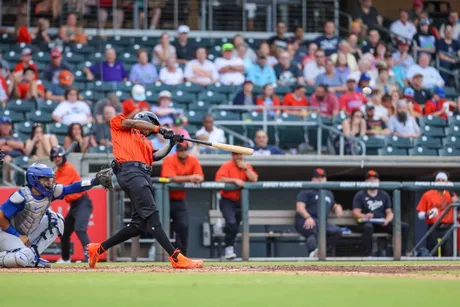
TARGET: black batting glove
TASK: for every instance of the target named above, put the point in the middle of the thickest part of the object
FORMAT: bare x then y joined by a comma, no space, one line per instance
177,139
167,134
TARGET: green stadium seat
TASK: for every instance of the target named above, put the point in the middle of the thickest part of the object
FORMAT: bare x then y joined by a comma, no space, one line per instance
47,106
373,144
100,149
95,40
60,138
257,117
20,105
451,93
19,47
151,97
282,90
88,95
40,117
105,87
158,87
223,89
449,152
453,131
433,131
128,58
11,57
146,41
213,97
390,151
79,76
454,120
95,57
57,128
73,58
192,129
398,142
191,87
16,117
340,118
125,86
182,97
310,90
40,66
81,86
22,161
422,151
83,49
24,127
42,57
292,136
4,47
200,106
195,117
203,42
122,95
452,141
226,115
433,121
120,41
428,142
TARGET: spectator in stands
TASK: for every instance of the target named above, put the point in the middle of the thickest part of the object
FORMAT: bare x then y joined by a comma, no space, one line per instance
402,57
213,133
414,108
260,73
75,133
341,66
29,87
379,53
453,21
231,70
246,96
387,103
296,99
426,41
351,99
39,144
364,81
334,82
375,126
300,45
40,34
355,49
310,57
241,53
143,72
4,66
269,98
384,82
200,70
287,73
307,214
72,110
262,148
101,130
365,72
280,40
449,52
52,70
171,74
12,146
111,99
417,13
355,125
26,62
110,70
165,113
370,45
325,101
238,40
185,48
421,95
376,204
431,76
397,72
155,13
402,124
104,7
430,208
235,171
313,69
136,103
403,28
439,105
345,49
328,42
357,29
264,48
368,14
163,51
379,111
71,32
56,91
3,91
178,127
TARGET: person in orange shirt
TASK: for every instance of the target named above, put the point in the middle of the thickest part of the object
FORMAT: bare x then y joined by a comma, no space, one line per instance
235,171
26,62
29,87
181,167
296,99
81,206
136,103
134,156
432,204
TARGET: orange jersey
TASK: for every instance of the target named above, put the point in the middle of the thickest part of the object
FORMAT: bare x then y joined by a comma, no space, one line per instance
433,199
230,170
172,166
290,101
129,144
128,106
66,175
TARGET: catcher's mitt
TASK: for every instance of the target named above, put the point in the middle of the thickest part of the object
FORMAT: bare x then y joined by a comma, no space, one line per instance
107,179
2,155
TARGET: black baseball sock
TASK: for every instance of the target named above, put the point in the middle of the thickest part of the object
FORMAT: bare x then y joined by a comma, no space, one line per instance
124,234
153,227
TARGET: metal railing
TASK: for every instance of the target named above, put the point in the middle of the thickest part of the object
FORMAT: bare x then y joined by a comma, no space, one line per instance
12,168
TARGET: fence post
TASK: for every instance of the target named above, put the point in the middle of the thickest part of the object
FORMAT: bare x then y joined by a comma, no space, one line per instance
397,225
245,218
322,225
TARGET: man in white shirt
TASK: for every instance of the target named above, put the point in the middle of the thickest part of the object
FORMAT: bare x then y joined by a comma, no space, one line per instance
231,70
431,76
201,71
214,134
314,68
402,27
72,111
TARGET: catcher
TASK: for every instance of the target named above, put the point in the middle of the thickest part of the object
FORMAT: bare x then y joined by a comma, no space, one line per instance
134,155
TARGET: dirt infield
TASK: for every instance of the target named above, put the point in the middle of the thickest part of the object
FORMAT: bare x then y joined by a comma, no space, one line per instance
417,271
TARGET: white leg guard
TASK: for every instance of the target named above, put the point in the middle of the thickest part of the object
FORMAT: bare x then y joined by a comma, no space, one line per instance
50,227
20,258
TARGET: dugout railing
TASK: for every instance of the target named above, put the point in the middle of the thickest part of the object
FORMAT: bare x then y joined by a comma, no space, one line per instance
394,188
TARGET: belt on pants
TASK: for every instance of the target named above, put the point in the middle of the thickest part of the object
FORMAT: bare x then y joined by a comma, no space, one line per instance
140,165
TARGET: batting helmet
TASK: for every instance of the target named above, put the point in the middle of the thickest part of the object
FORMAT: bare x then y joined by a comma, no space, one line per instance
148,117
57,151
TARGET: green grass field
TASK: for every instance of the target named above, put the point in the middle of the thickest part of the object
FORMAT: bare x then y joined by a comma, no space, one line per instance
216,287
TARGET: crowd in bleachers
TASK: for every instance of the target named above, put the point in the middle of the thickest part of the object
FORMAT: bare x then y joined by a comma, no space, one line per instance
67,88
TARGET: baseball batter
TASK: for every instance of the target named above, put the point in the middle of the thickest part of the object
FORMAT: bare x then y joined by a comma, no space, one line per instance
27,225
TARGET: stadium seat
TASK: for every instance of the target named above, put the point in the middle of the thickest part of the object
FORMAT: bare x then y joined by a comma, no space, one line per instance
146,41
453,131
4,47
373,144
182,97
128,58
105,87
282,90
125,86
73,58
151,97
257,117
195,117
221,88
433,131
398,142
213,97
24,127
16,117
57,128
22,161
81,86
226,115
95,57
192,129
47,106
454,120
83,49
451,141
433,121
203,41
40,117
200,106
19,47
43,57
120,41
79,76
390,151
449,151
20,105
158,87
100,149
11,56
292,136
191,87
422,151
451,93
96,40
88,95
122,96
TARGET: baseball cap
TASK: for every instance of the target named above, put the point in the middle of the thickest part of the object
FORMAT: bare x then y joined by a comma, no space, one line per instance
351,80
372,174
5,120
370,106
227,47
365,77
26,52
440,92
165,94
417,3
183,29
425,21
65,77
177,121
409,92
403,43
441,176
56,53
138,92
319,172
417,75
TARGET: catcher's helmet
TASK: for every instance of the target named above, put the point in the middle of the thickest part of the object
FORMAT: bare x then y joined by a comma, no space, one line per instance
148,117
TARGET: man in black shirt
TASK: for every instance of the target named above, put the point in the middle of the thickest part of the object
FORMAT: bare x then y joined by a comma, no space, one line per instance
421,95
306,221
372,209
328,42
185,49
280,40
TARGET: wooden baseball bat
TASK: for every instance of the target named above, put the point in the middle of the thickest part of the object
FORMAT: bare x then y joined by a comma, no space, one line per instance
227,147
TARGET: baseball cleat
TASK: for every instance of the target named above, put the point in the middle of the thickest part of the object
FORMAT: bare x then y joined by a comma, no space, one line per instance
179,261
93,254
229,253
314,254
62,261
41,263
